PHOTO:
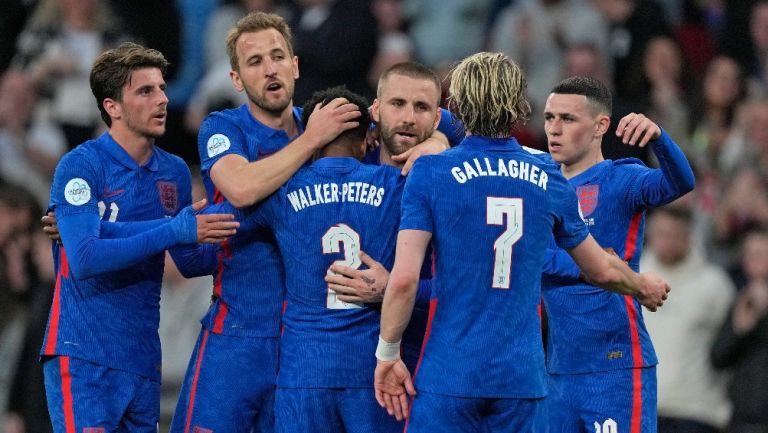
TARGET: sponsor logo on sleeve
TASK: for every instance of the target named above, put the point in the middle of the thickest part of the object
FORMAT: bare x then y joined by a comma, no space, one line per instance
217,144
77,192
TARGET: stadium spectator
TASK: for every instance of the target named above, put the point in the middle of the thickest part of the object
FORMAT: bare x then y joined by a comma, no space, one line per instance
57,49
336,41
742,345
691,392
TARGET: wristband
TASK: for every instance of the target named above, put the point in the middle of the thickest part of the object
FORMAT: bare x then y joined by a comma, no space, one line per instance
387,351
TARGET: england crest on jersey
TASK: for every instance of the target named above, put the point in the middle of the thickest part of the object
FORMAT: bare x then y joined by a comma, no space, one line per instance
588,195
168,194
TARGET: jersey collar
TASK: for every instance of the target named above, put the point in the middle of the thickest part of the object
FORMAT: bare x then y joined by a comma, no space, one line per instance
268,132
120,155
336,163
488,143
591,173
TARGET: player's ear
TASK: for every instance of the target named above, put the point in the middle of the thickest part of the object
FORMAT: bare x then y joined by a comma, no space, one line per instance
236,81
112,107
603,122
375,110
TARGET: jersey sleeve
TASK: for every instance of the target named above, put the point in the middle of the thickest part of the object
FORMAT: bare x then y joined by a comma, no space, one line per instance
80,236
451,127
559,267
673,179
192,260
75,184
416,212
218,136
250,218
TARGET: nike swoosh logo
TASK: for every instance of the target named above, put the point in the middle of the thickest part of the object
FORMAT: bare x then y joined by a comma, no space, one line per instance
108,194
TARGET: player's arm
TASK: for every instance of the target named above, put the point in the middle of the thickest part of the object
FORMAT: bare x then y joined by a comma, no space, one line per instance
675,176
559,266
244,183
608,271
80,234
368,285
392,380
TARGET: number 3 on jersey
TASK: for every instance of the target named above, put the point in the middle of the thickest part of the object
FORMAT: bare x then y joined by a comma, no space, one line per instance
333,240
497,208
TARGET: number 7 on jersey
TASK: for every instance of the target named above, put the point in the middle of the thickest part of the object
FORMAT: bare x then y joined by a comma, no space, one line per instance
496,210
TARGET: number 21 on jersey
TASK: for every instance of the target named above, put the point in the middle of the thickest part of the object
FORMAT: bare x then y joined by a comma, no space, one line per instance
508,212
338,236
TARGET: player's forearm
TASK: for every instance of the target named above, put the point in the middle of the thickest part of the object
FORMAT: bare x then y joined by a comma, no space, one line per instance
251,183
195,260
618,277
398,304
674,165
603,269
118,229
88,253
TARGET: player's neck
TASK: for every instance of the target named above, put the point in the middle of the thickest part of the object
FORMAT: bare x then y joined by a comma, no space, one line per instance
576,168
339,151
385,158
283,120
139,147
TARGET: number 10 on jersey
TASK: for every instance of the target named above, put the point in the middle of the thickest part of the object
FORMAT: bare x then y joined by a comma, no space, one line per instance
507,212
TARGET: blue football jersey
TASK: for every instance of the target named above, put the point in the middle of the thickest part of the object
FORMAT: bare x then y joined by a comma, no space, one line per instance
112,318
326,213
249,283
591,329
491,207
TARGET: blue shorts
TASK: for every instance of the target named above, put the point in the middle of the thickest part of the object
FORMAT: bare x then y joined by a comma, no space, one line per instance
432,413
604,402
84,397
331,410
229,386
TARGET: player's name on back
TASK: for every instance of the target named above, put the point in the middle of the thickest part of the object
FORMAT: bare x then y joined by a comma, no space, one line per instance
356,192
508,168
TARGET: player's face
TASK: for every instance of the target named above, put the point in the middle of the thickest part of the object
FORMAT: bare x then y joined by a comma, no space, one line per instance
406,112
267,70
144,104
570,127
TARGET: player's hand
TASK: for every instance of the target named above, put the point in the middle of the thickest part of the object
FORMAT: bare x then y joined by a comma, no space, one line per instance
356,286
636,129
327,122
213,228
653,292
393,384
751,305
435,144
50,228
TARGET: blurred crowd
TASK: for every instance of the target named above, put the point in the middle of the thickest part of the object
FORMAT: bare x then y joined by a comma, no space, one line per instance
699,68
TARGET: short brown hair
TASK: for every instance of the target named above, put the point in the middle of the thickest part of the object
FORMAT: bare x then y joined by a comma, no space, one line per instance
113,68
487,93
256,22
410,70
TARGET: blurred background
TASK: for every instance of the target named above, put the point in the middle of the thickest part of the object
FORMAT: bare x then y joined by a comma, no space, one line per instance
699,68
